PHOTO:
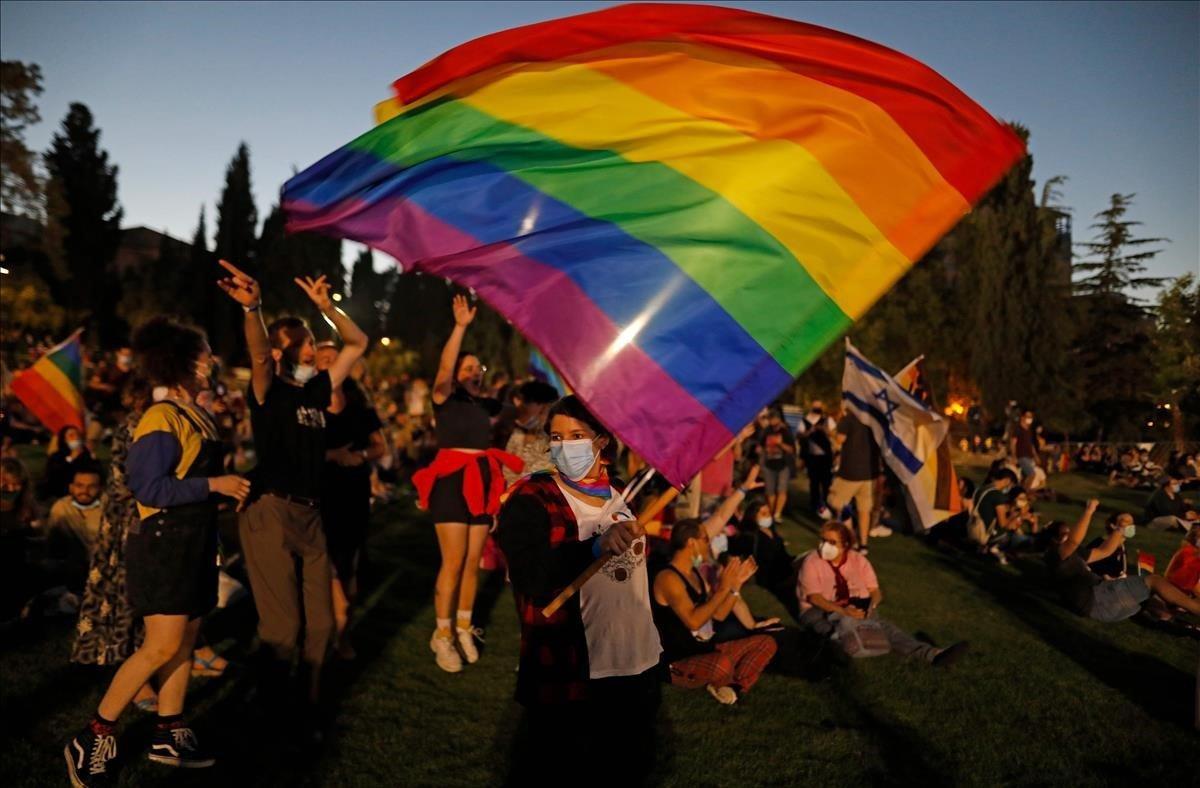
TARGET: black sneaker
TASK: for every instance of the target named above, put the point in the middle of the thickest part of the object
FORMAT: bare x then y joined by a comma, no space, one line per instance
949,655
91,759
179,747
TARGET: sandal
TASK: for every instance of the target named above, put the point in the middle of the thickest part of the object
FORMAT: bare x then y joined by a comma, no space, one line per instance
209,667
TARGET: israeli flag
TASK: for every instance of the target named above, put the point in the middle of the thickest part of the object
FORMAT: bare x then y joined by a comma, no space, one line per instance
907,432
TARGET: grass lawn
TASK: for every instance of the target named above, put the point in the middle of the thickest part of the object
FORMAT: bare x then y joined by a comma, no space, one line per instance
1043,698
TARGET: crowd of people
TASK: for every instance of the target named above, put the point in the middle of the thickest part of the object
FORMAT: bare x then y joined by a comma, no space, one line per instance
266,481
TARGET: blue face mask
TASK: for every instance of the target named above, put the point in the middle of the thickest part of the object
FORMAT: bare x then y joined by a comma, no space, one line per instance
573,458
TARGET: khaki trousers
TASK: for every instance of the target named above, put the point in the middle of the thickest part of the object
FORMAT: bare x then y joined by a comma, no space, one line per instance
277,535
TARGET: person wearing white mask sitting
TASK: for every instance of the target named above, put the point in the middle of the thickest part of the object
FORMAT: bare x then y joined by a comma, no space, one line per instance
838,583
74,521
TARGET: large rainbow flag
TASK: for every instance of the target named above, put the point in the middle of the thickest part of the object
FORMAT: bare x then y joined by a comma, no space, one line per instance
52,388
680,205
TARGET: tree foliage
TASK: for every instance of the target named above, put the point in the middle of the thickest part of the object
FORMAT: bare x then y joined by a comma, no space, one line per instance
282,257
1177,354
20,187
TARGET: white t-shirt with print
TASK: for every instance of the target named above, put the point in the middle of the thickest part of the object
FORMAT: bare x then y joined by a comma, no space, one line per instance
617,622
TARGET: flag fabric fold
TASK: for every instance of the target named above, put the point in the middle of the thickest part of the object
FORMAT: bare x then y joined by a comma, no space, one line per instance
681,206
938,480
52,388
907,432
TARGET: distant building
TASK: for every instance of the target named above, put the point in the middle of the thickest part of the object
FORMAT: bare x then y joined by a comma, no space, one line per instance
21,239
141,246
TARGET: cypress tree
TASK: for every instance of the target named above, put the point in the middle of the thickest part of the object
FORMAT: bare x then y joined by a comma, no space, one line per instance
237,220
90,218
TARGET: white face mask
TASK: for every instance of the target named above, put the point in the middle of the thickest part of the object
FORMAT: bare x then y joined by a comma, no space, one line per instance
1130,530
85,506
764,522
718,544
302,373
74,444
828,551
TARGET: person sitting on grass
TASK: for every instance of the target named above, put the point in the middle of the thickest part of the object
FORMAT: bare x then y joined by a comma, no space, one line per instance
1085,593
686,610
992,513
1113,566
1183,571
1167,508
757,538
74,522
838,583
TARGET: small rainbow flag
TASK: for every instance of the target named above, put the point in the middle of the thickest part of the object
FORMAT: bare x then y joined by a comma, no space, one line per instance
1146,563
681,205
52,388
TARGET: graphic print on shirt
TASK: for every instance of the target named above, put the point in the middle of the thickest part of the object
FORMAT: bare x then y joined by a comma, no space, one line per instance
311,417
620,568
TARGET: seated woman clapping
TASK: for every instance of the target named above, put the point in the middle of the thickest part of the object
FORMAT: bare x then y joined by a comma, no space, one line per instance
685,609
837,586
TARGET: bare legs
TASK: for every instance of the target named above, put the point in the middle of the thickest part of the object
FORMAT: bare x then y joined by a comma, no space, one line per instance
458,577
166,653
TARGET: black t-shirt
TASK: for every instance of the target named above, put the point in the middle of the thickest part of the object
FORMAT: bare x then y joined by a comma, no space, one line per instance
1075,581
289,436
774,439
860,456
464,421
352,427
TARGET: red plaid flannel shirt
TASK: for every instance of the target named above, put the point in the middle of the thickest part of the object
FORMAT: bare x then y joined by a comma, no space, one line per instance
539,536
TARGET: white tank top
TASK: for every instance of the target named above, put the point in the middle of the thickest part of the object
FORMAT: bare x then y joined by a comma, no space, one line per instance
615,603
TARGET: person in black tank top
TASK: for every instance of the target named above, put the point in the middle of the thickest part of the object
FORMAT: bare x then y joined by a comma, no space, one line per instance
463,423
174,470
685,610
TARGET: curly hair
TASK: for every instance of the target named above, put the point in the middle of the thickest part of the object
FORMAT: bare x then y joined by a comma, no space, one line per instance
166,351
842,530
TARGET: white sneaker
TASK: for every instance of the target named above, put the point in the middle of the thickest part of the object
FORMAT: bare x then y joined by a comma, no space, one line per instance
724,695
448,658
825,513
466,642
880,530
998,554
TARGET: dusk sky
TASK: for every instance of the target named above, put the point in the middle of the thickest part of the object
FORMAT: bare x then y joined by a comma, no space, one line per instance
1110,91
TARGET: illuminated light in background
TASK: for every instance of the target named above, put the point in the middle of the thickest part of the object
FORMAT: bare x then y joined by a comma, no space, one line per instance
385,341
337,296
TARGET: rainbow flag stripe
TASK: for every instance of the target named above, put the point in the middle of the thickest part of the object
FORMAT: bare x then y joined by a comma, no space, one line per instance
680,205
52,388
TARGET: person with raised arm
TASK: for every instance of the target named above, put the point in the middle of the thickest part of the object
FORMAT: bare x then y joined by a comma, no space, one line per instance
280,529
461,490
1085,593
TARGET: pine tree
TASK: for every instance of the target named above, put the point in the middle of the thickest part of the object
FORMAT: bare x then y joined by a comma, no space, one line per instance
91,220
1116,328
237,221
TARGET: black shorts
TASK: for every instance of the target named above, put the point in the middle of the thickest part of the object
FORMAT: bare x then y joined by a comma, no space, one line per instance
446,501
171,563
